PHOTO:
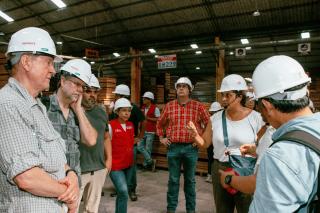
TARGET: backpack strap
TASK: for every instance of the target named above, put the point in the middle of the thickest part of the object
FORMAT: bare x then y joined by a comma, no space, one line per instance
306,139
303,138
224,129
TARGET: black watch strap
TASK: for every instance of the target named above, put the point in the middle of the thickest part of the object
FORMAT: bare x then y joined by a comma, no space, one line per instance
71,170
228,179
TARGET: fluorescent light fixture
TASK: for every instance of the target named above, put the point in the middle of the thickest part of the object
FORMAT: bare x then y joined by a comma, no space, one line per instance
59,3
152,50
194,46
92,62
197,68
231,53
248,79
59,42
244,41
6,17
84,57
305,35
198,52
156,56
248,48
116,54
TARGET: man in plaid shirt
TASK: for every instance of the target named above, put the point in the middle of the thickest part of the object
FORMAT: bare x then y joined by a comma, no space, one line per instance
172,132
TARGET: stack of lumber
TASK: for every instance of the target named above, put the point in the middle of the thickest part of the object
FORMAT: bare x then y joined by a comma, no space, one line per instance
107,85
4,75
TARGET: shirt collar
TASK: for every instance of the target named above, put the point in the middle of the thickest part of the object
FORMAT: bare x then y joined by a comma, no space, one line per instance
15,85
54,105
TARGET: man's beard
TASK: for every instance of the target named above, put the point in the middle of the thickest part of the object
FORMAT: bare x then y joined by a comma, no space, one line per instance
90,103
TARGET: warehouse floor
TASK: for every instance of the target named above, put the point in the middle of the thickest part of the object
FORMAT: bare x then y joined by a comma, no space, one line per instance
152,191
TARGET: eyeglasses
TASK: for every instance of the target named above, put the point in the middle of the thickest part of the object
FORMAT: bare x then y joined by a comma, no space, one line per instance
77,83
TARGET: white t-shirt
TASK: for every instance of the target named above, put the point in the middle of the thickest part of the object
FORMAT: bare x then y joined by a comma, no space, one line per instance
264,143
239,132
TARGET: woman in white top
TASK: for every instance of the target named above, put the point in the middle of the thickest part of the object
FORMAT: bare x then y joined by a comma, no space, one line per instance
242,127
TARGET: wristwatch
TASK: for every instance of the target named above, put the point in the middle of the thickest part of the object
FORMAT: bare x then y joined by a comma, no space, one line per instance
228,179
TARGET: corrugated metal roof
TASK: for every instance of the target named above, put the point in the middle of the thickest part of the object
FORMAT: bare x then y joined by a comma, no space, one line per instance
168,25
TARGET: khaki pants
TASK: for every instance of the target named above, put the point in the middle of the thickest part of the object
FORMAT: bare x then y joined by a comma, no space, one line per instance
92,183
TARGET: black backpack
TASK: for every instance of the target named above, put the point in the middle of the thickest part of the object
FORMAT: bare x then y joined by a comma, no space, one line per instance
306,139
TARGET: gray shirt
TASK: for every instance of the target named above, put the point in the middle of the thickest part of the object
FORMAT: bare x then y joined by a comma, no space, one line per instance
93,158
27,140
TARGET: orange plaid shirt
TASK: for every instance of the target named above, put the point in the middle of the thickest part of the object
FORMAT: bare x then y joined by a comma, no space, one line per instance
175,117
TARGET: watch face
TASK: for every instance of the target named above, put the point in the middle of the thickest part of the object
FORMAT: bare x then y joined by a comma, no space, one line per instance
227,179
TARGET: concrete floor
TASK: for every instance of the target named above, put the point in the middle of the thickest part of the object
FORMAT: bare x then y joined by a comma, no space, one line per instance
152,191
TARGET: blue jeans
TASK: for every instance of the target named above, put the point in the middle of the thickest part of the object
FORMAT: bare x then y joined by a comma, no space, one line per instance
186,155
120,179
132,182
145,147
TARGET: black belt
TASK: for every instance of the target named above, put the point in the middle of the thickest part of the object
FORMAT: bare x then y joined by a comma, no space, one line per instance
182,143
91,173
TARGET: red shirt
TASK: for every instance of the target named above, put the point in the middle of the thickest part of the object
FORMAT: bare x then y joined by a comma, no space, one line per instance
175,118
122,145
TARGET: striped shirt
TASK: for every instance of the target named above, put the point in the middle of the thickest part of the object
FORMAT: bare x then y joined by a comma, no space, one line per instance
27,140
175,118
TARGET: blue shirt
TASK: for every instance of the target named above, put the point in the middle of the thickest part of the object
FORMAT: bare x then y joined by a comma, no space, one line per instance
287,175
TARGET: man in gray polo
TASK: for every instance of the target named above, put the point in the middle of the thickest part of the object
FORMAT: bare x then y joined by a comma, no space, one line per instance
32,154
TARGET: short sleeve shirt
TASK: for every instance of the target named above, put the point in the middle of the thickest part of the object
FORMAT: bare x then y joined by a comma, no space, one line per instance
92,158
27,140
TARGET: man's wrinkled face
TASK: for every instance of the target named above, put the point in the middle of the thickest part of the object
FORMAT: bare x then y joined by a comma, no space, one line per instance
40,69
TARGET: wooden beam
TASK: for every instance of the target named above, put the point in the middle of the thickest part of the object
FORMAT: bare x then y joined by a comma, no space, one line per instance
136,65
220,69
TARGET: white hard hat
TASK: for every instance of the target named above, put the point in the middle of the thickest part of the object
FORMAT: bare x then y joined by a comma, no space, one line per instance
233,82
33,39
94,82
122,89
79,68
148,95
277,74
184,80
215,106
121,102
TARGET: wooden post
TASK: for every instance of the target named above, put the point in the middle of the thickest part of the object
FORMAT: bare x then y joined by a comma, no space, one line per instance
220,69
136,66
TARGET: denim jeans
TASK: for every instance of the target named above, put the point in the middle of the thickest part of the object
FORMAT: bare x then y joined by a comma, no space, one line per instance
132,182
145,147
120,179
187,156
